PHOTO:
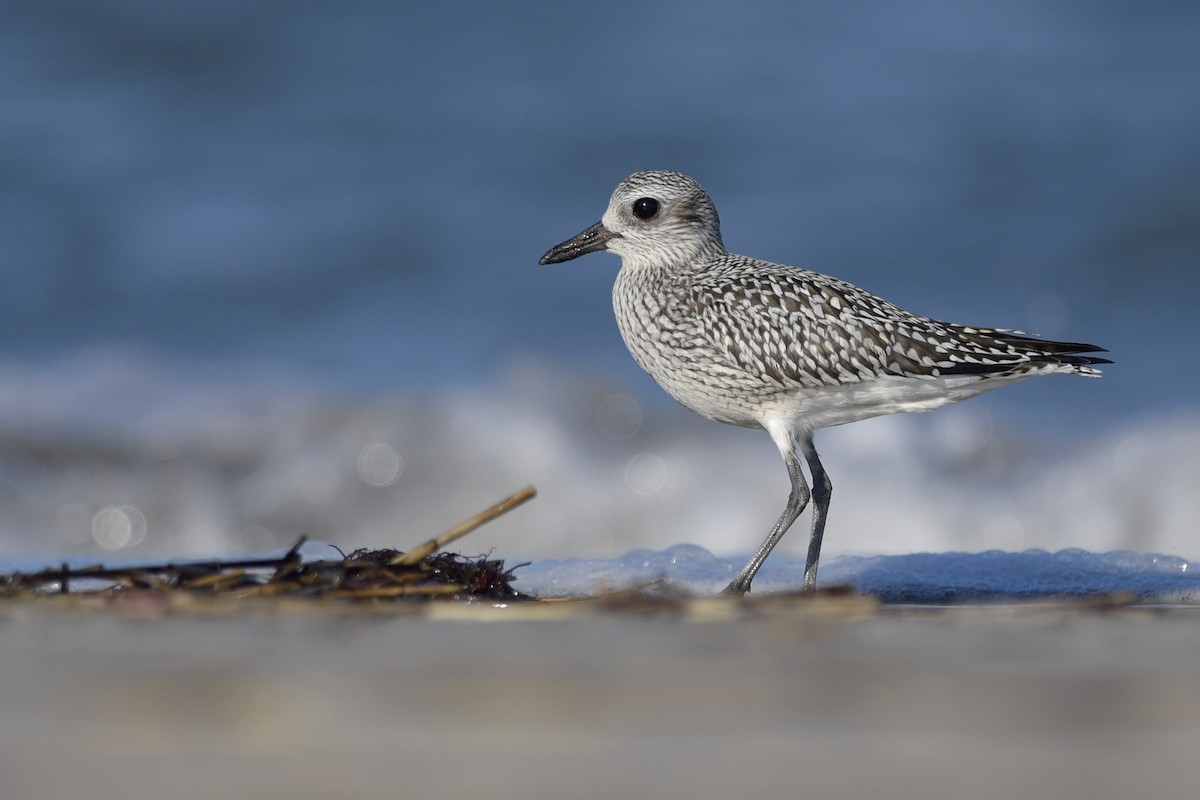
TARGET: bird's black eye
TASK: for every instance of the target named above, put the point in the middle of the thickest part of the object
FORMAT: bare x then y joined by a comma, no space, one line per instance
645,208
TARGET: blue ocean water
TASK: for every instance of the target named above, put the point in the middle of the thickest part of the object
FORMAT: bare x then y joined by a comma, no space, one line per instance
271,268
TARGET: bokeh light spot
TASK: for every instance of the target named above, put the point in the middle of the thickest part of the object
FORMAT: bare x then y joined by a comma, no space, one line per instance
646,473
619,416
118,527
379,464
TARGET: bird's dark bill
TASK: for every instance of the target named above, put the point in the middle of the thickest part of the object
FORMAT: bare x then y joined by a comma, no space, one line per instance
593,239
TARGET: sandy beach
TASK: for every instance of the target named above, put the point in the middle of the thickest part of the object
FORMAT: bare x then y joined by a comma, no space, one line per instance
835,698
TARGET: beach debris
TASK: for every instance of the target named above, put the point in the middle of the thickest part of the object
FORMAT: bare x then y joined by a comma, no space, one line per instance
372,576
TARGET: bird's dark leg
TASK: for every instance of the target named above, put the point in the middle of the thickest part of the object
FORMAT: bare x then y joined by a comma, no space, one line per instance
797,500
822,488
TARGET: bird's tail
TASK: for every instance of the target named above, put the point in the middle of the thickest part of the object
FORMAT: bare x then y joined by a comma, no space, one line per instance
1043,352
1027,354
1068,354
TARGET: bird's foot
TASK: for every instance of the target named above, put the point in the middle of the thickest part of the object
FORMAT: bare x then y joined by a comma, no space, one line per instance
736,589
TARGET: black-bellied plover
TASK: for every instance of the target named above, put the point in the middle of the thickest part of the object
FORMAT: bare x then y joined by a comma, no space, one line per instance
757,344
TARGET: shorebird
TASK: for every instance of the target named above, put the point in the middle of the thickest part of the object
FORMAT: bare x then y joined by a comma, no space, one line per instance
756,344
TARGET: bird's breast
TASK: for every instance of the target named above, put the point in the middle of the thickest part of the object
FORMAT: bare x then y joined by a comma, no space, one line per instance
666,339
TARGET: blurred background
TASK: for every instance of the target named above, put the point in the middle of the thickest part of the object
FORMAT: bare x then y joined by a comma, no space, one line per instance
271,268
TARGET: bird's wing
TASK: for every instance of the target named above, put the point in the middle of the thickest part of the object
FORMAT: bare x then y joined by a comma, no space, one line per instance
799,328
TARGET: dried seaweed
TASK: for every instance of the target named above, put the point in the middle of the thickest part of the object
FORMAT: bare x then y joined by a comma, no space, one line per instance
368,576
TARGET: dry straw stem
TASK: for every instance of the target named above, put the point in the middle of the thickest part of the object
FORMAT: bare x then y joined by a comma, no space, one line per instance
417,554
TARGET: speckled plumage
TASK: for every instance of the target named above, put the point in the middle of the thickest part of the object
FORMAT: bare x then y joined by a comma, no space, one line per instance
752,343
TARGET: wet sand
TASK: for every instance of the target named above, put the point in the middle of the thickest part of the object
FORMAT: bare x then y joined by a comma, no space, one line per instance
792,700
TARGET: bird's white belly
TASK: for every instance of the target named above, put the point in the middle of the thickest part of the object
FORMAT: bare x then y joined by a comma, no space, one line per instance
827,406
